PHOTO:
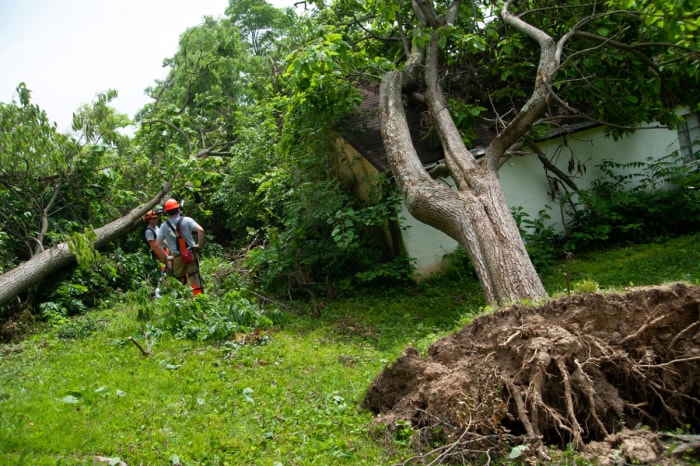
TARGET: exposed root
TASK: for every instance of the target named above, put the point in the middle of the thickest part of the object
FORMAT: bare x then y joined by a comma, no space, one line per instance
574,371
682,333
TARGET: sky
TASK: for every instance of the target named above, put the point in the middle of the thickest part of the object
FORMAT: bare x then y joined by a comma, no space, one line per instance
68,51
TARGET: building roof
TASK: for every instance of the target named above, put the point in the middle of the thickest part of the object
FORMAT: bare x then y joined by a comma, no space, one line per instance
363,131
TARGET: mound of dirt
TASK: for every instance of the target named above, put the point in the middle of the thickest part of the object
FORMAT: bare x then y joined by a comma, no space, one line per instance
579,371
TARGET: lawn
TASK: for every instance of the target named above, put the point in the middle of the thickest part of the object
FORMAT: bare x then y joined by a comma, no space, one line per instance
287,395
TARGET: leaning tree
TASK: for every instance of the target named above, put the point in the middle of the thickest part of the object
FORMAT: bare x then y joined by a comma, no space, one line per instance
515,68
55,187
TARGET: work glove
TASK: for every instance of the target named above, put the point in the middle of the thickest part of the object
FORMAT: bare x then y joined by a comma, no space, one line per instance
196,248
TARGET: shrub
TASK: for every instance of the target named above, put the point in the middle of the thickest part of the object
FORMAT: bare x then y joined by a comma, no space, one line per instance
206,317
543,244
636,203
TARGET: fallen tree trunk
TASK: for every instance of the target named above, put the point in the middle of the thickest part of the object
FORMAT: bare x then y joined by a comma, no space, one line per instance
17,280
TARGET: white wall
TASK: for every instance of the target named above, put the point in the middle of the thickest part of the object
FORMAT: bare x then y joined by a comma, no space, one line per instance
525,185
424,243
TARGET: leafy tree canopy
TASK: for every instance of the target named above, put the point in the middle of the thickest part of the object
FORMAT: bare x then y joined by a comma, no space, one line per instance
53,184
623,61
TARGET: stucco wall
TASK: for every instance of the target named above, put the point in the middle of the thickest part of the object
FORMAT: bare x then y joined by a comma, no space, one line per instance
525,184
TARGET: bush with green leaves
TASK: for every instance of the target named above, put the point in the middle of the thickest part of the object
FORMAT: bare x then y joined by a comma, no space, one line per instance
637,202
543,243
206,317
76,289
305,231
325,236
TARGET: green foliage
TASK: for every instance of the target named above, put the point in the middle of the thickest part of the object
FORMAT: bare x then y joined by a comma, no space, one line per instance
677,20
81,244
542,241
636,85
586,286
636,202
78,327
318,234
623,266
206,317
99,124
465,117
76,290
198,102
274,188
279,198
5,251
54,186
260,23
630,203
404,432
34,162
293,392
459,267
396,270
66,301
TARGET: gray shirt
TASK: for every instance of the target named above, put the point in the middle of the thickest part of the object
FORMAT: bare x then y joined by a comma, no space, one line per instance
187,225
151,233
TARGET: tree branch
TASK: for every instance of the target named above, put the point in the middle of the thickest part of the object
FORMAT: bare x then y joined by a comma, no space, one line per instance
548,165
182,133
538,99
143,351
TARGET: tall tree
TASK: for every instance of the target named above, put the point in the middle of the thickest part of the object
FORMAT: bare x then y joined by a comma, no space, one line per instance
193,118
529,65
260,23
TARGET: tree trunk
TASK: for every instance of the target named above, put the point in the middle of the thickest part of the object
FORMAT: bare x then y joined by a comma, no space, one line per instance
17,280
477,216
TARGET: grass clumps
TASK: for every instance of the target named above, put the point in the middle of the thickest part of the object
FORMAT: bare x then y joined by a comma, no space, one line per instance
230,381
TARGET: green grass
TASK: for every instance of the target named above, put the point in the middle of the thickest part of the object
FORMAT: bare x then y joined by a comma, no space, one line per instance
649,264
291,397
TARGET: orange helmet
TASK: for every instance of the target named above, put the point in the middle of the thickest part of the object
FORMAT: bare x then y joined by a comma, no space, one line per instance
171,204
149,215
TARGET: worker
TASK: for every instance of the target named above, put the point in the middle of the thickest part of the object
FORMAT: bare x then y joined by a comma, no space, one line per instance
151,233
177,234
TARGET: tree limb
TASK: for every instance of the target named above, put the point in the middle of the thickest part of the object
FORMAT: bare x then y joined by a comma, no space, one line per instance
143,351
550,166
19,279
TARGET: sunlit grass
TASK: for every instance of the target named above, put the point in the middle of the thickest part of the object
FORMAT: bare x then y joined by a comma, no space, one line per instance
638,265
291,396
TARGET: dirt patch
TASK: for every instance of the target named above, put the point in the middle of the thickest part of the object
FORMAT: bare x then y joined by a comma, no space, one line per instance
583,372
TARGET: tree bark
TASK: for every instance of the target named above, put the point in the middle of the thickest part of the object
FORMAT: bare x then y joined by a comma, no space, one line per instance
19,279
477,215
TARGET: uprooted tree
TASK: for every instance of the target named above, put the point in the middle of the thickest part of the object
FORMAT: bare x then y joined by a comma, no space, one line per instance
580,370
516,69
48,261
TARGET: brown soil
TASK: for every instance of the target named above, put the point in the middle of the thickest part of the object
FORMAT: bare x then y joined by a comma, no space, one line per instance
601,374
